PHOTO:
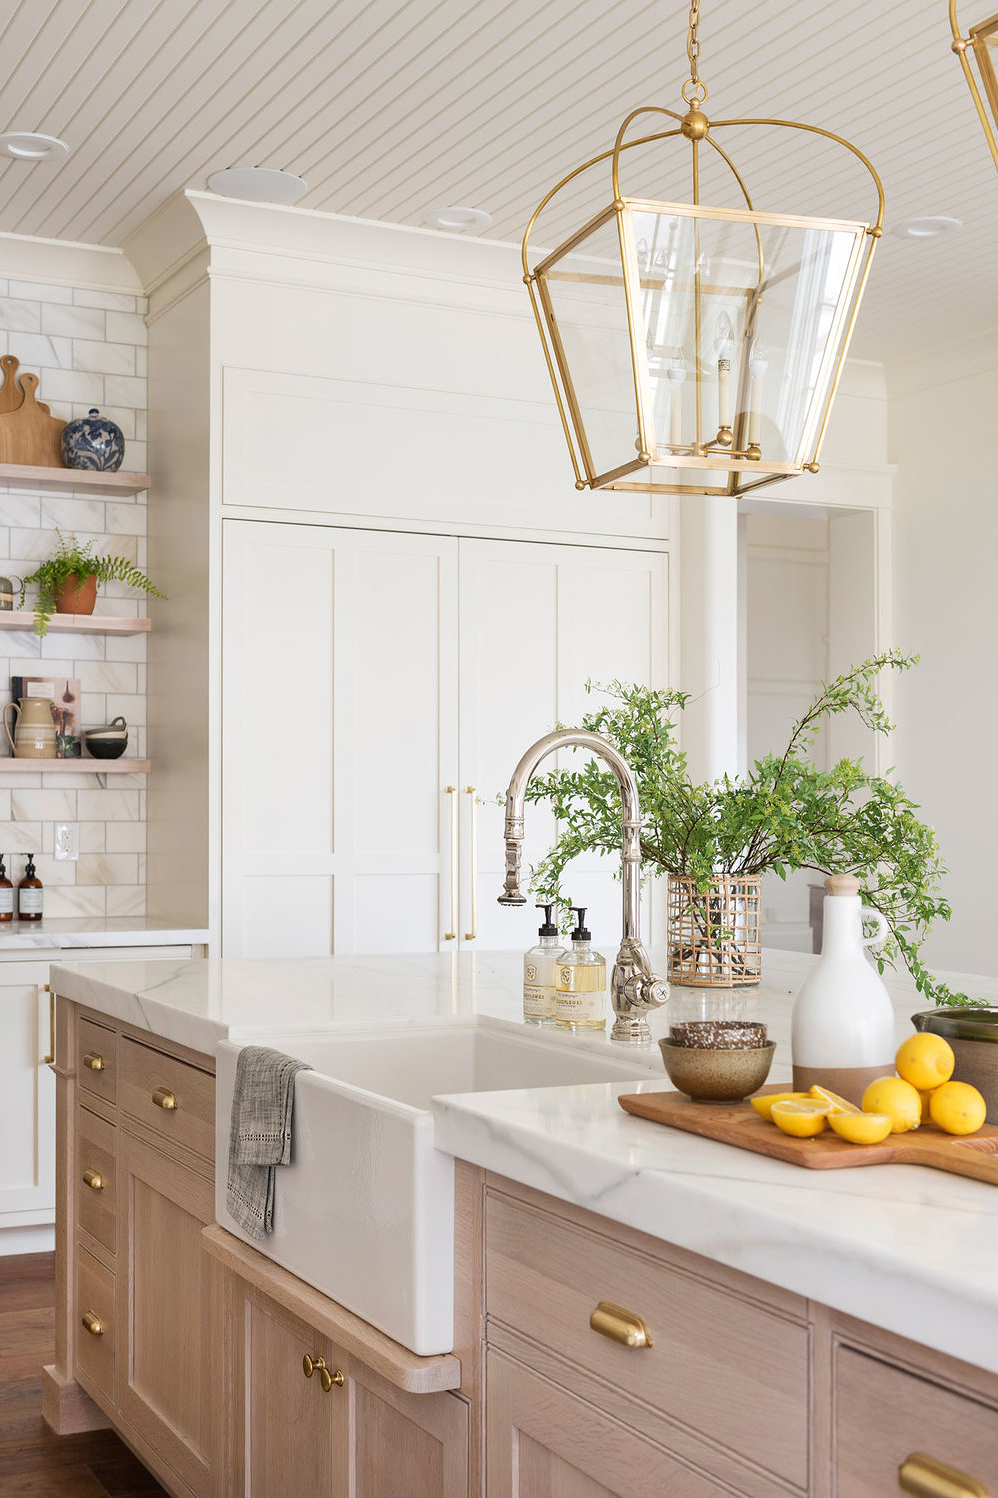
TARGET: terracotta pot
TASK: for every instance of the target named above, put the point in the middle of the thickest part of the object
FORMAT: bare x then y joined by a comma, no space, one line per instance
77,596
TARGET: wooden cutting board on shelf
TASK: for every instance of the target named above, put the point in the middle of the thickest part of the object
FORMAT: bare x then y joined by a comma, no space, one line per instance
11,394
30,433
974,1155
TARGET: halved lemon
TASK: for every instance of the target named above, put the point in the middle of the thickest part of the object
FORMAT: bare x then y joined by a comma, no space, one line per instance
838,1104
860,1127
763,1105
803,1119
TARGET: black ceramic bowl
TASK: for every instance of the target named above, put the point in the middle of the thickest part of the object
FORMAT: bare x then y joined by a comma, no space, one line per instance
105,745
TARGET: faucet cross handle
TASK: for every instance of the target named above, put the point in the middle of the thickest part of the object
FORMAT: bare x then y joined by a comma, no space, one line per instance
634,989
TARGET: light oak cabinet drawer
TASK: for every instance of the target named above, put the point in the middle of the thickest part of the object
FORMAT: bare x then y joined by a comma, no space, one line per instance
96,1051
95,1183
883,1415
544,1278
170,1096
95,1323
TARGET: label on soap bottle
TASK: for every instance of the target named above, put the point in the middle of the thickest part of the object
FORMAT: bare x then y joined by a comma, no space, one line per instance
6,900
29,901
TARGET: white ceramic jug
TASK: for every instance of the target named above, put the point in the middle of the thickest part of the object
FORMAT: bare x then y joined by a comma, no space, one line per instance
34,731
842,1032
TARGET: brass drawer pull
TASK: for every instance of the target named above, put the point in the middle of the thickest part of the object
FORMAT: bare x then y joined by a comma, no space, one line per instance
326,1378
93,1179
93,1062
92,1324
924,1477
165,1099
620,1325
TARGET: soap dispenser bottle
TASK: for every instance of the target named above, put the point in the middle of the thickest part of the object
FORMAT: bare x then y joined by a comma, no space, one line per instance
580,993
842,1028
29,894
540,973
6,888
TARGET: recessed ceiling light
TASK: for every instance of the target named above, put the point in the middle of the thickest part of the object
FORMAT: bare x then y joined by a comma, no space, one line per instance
25,145
928,228
258,184
458,220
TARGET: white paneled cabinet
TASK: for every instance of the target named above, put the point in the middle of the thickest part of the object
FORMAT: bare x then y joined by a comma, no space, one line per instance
378,688
27,1098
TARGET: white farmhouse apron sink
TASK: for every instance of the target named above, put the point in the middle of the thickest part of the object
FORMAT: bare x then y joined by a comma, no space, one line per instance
365,1210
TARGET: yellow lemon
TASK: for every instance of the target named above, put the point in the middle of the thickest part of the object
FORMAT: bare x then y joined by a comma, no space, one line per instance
925,1060
861,1128
764,1105
838,1104
898,1099
957,1108
800,1119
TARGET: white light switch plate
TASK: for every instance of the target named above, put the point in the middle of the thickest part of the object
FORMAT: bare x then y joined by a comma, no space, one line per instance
67,841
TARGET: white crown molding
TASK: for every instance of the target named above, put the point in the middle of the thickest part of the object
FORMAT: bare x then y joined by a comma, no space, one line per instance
965,358
63,262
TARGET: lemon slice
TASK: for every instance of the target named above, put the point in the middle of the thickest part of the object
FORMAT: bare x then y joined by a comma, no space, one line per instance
838,1104
860,1127
803,1120
764,1105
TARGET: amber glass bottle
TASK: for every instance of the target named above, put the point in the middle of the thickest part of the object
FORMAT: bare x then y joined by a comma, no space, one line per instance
29,894
6,892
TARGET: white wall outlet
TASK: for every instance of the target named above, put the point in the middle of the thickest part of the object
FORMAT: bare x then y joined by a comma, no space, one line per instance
67,841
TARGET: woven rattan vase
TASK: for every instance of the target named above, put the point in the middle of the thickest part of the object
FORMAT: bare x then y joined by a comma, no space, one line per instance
713,936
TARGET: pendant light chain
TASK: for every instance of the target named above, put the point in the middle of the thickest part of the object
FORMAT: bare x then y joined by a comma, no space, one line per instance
694,89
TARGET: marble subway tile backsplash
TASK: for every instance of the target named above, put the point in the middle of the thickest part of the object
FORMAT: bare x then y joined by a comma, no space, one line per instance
88,348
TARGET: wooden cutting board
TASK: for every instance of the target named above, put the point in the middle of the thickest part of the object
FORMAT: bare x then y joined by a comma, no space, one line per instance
30,434
739,1124
11,394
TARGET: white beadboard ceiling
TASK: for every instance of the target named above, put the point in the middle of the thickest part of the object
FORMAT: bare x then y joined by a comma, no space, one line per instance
391,107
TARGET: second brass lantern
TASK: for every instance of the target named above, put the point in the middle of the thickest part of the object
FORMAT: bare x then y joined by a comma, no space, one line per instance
695,349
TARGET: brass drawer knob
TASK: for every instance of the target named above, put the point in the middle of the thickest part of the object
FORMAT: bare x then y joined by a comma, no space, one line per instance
92,1324
620,1325
165,1099
924,1477
93,1179
326,1377
93,1062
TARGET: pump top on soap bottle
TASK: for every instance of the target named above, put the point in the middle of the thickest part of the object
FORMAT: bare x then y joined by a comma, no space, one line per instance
581,994
540,966
6,890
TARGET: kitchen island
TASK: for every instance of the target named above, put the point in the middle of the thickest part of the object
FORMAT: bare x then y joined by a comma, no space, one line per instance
760,1276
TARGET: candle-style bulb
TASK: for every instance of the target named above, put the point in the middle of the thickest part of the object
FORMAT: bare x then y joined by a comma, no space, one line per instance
724,337
758,360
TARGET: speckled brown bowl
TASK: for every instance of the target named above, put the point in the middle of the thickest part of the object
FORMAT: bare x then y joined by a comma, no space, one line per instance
716,1076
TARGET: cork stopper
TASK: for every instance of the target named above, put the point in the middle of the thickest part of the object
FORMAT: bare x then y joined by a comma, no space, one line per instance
842,884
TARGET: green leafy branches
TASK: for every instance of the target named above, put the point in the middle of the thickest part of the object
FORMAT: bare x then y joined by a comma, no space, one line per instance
786,814
73,560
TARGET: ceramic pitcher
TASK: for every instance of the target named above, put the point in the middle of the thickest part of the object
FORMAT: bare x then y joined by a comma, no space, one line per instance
842,1031
34,732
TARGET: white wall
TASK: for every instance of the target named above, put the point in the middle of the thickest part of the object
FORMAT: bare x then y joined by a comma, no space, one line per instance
942,416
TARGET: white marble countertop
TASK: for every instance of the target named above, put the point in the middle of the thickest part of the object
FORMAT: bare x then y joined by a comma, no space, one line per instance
75,933
909,1249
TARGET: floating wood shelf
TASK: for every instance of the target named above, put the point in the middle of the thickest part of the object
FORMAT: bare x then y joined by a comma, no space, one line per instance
25,476
76,624
76,766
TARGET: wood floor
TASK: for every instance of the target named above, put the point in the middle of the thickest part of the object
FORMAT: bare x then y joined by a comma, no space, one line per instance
32,1459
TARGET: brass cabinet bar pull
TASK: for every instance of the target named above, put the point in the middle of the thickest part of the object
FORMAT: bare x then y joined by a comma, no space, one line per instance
49,1060
93,1179
469,790
924,1477
327,1377
620,1325
93,1062
451,935
165,1099
92,1324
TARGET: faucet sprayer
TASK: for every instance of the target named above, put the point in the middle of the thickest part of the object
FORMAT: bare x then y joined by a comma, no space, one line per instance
634,988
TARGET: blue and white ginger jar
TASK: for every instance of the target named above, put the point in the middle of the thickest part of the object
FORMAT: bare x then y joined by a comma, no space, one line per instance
93,442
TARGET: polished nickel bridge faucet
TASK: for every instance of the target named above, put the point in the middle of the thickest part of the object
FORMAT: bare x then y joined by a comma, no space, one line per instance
634,988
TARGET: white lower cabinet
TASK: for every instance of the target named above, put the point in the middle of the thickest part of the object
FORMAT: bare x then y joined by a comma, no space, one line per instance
378,689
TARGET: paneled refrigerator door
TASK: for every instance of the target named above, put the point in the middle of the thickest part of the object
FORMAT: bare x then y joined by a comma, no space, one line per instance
537,621
339,738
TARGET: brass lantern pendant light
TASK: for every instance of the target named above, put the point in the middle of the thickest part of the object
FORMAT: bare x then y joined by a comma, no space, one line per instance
982,46
693,349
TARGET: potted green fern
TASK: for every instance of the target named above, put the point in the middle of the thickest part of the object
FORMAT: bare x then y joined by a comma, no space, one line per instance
67,581
785,814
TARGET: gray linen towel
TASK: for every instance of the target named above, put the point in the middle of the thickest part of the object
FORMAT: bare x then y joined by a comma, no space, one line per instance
259,1134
